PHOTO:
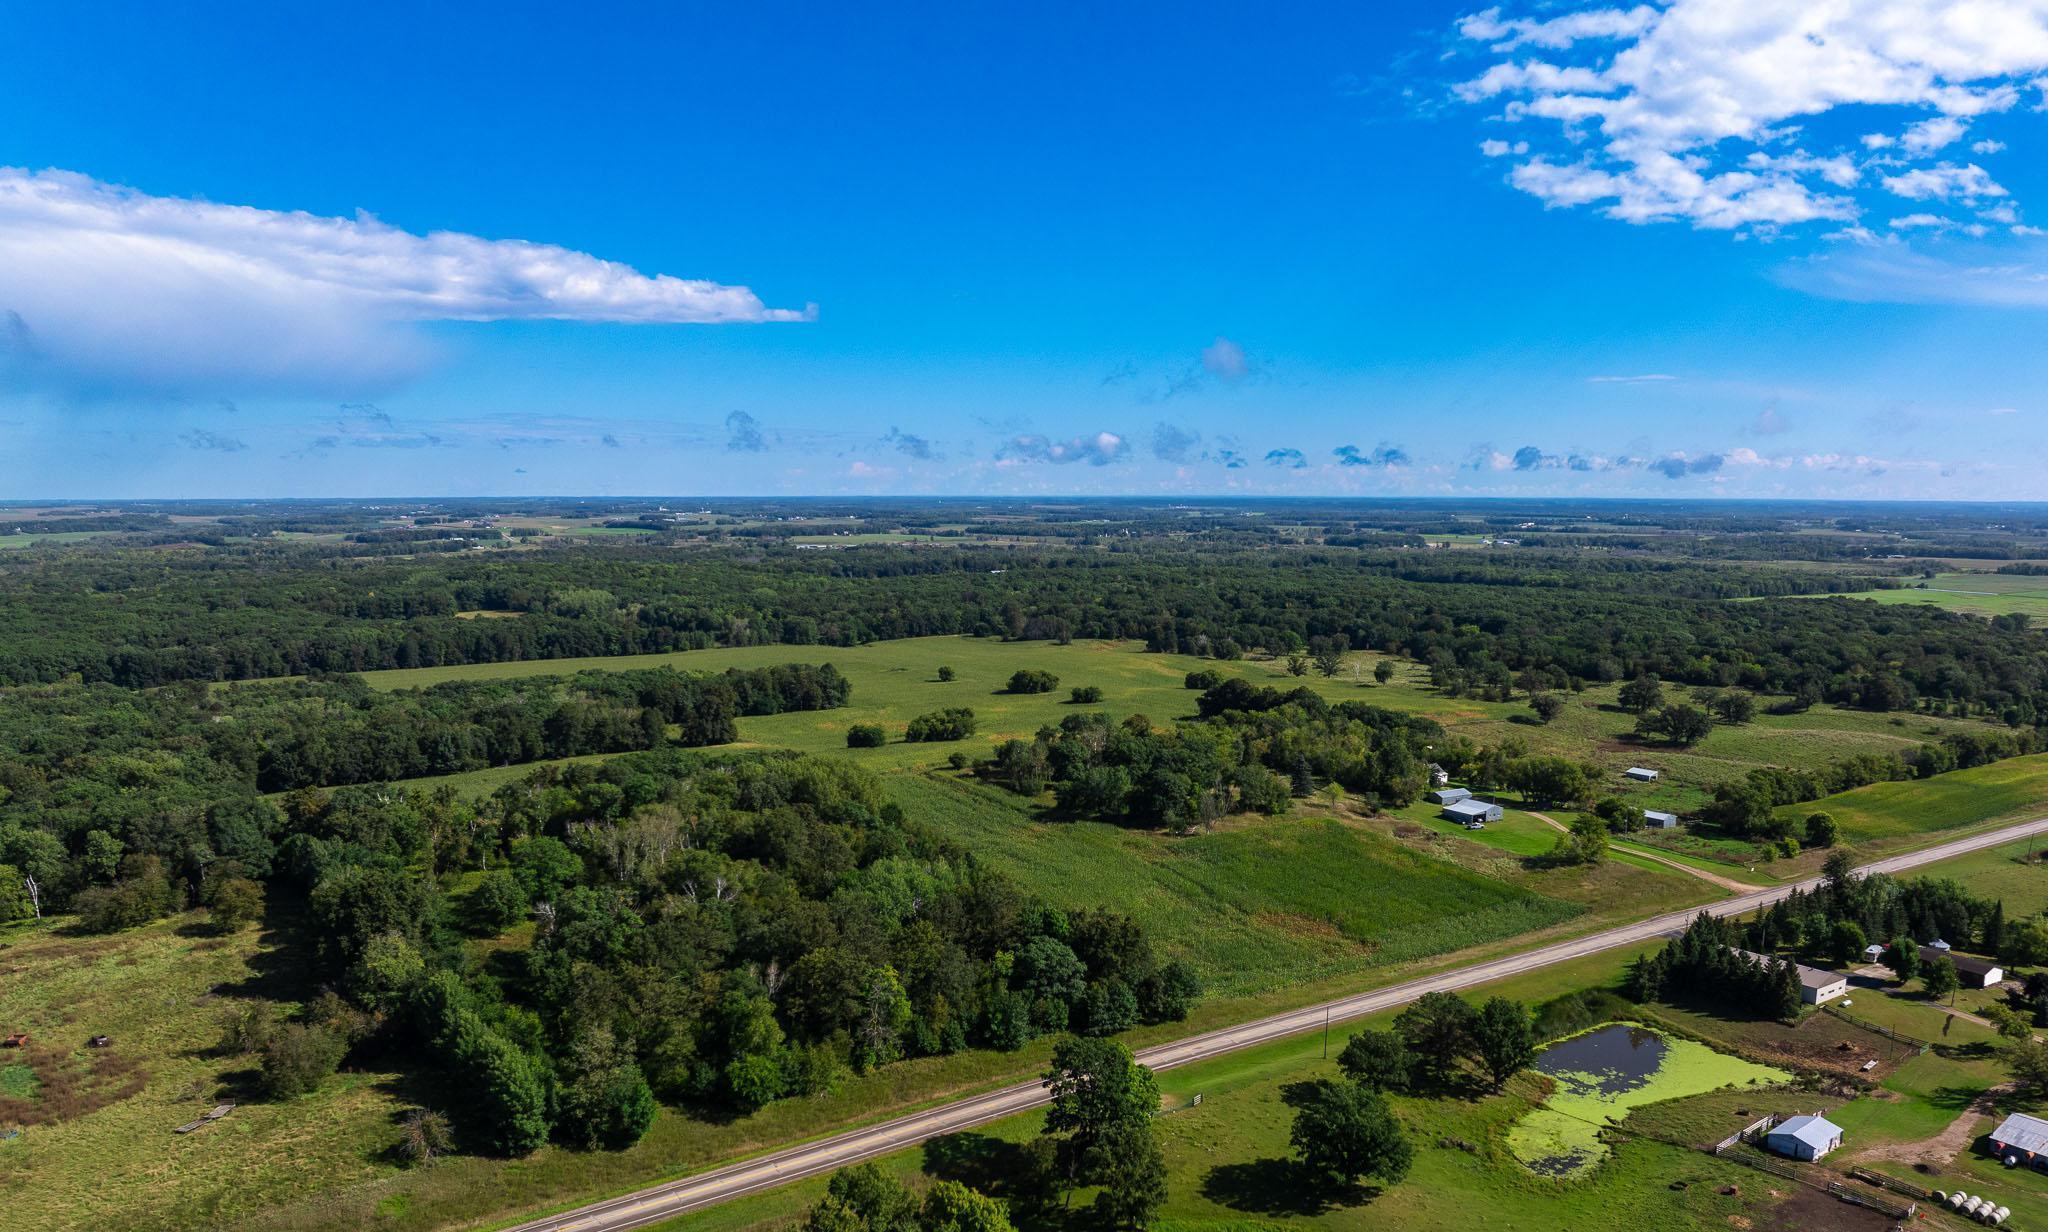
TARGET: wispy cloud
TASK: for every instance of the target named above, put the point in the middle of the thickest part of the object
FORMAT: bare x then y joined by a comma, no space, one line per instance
743,434
909,445
1100,449
116,290
201,438
1382,456
1225,360
1638,379
1173,443
1291,459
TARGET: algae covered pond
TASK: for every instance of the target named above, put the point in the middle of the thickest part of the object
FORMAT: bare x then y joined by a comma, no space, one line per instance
1602,1074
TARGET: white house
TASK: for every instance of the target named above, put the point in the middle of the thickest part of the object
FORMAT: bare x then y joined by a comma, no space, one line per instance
1816,985
1660,821
1447,795
1438,776
1804,1137
1639,774
1466,812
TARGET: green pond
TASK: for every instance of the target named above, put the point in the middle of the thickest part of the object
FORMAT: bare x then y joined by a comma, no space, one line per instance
1603,1073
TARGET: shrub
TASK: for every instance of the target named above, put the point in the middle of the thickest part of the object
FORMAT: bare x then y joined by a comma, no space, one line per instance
952,723
236,902
945,674
866,736
1204,679
298,1058
1032,680
425,1136
1086,694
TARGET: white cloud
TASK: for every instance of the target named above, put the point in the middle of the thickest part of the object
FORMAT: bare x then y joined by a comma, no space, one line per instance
1506,34
1630,380
1936,133
114,289
1921,222
1686,112
1501,149
1944,182
1986,147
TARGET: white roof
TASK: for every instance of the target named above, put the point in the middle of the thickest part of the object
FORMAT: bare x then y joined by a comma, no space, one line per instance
2025,1132
1654,815
1812,1129
1470,808
1638,770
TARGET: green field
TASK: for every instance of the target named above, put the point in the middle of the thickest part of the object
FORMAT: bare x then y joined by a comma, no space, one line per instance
2009,790
1980,594
1259,904
895,681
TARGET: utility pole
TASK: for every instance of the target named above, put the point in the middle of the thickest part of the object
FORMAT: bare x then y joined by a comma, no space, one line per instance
1326,1033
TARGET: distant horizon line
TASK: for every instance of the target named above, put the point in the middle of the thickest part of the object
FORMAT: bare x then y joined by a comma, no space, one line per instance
1187,498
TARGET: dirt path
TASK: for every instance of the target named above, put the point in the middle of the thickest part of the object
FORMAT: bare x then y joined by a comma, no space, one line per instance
1726,883
1947,1144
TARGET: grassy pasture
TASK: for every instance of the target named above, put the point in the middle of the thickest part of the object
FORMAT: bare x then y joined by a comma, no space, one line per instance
1978,594
895,681
1257,905
2006,790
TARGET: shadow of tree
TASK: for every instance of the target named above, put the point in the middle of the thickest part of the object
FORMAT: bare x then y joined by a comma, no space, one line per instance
1276,1186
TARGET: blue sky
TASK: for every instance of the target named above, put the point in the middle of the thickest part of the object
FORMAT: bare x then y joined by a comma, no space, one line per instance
1688,249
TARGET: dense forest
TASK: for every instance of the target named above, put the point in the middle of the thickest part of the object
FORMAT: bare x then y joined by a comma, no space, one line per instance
144,619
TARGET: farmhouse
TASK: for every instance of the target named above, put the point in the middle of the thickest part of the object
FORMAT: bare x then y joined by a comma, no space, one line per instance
1639,774
1660,821
1448,795
2020,1138
1465,812
1816,986
1974,972
1804,1137
1438,776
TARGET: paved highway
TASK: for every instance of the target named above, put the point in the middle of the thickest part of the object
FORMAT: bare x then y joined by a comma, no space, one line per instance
674,1198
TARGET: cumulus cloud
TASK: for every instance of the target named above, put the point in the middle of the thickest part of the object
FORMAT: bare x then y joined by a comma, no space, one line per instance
1101,449
201,438
1382,456
1530,458
1225,360
1229,459
1172,443
1944,182
1679,465
1700,111
912,446
1292,459
119,290
743,433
